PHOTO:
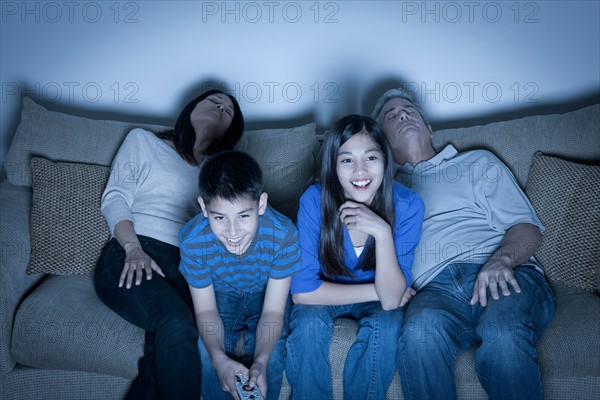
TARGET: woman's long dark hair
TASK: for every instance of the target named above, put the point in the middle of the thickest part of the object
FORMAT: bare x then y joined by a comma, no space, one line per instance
331,248
184,135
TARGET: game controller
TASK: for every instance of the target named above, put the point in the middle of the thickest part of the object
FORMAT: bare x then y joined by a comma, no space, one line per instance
244,390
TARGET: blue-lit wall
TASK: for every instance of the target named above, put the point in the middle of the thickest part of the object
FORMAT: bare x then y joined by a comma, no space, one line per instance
292,62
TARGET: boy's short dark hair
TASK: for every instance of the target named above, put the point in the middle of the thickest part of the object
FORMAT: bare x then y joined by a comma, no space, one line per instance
230,175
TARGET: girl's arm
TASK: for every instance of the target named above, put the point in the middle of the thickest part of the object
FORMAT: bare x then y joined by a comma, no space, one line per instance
307,285
335,294
210,327
390,282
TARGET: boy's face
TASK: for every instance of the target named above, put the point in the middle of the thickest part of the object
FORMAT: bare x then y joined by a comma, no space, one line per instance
234,223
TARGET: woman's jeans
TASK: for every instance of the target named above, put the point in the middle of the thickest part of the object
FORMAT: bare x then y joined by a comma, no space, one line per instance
240,313
170,368
440,323
369,367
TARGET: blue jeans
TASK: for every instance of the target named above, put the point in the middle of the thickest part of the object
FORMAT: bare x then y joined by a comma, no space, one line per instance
170,368
240,313
439,323
368,371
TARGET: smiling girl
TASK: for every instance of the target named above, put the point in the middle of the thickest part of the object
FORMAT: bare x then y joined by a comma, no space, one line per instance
358,230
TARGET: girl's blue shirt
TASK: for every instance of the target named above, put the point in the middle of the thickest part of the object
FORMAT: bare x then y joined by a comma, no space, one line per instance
409,211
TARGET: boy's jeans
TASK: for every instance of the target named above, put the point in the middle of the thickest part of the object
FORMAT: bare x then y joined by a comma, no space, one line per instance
439,323
370,365
240,313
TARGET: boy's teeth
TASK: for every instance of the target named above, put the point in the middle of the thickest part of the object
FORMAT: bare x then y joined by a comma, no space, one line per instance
361,183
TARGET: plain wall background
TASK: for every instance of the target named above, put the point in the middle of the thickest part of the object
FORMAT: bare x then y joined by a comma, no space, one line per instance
295,62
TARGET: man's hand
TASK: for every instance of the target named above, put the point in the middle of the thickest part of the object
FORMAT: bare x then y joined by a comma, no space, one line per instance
407,296
492,275
137,262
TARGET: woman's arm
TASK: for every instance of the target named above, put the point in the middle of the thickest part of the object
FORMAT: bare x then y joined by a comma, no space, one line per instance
137,262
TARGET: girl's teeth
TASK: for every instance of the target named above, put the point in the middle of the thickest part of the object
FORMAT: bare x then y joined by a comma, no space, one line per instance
361,183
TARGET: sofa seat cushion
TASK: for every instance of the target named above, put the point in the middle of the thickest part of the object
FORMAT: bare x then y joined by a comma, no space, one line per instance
570,347
62,324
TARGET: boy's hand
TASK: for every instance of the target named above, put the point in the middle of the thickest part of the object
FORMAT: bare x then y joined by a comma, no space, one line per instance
226,370
258,377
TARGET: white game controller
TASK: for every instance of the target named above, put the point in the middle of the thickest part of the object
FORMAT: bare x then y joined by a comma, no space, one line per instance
244,390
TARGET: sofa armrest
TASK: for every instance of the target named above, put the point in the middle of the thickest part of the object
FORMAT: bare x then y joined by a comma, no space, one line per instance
15,206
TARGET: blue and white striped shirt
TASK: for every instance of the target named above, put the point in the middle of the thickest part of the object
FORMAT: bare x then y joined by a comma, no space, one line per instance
273,253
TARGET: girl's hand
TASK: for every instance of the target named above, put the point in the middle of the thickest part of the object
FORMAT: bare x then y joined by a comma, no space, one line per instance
357,216
137,262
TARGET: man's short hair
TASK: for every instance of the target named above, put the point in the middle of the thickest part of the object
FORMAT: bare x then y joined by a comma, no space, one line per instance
230,175
393,94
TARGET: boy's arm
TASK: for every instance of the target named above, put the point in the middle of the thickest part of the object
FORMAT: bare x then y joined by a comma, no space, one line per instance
269,329
210,327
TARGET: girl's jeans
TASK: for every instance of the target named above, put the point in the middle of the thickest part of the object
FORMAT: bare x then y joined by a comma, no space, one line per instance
170,368
369,366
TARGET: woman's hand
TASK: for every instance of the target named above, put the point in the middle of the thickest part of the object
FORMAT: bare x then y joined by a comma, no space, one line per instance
137,262
357,216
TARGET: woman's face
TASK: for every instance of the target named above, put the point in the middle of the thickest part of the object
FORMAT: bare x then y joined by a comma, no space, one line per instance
359,168
214,113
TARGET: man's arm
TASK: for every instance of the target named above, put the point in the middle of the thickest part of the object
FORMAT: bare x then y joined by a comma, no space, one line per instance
519,243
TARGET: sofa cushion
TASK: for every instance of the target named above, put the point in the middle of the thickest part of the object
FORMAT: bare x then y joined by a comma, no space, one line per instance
570,347
63,324
566,197
68,231
285,155
63,137
572,135
287,161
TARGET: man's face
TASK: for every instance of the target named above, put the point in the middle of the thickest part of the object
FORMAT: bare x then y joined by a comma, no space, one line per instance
401,122
234,223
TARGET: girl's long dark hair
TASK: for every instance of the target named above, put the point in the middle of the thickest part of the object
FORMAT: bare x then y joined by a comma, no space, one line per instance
331,248
184,135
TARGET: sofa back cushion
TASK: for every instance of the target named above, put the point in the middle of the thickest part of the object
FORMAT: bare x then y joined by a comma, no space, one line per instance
573,135
63,137
285,154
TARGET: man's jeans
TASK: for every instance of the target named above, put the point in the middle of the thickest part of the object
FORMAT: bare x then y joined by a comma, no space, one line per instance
240,313
369,367
163,307
439,323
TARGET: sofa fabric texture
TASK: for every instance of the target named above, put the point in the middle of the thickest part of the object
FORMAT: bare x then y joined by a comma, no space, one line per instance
60,341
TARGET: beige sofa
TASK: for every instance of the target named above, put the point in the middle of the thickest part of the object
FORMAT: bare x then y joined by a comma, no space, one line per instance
58,341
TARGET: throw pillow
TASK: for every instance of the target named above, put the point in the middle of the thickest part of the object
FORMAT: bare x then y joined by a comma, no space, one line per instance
68,230
566,197
287,161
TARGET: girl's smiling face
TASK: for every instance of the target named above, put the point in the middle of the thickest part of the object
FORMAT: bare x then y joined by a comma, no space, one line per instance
359,168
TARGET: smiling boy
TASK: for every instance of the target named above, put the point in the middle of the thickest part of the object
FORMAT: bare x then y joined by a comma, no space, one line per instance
238,257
